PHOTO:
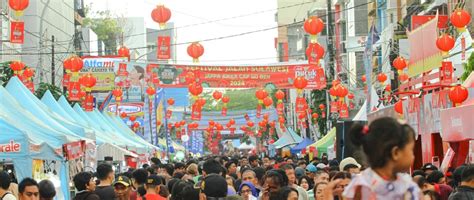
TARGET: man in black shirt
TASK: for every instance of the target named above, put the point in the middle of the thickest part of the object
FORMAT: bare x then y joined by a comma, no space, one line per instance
105,174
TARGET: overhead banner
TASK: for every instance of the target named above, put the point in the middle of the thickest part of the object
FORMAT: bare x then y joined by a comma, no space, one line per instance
17,32
103,68
278,76
418,20
164,51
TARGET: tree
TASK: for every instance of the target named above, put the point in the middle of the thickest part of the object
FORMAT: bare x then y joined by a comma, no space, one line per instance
106,27
319,97
43,87
6,73
468,67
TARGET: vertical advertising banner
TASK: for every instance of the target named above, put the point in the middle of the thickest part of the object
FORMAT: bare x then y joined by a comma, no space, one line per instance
164,50
17,32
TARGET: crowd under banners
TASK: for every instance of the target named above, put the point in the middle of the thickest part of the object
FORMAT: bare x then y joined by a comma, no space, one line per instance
280,76
17,32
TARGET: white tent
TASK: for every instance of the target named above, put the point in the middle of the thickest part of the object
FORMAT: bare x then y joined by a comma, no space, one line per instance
246,146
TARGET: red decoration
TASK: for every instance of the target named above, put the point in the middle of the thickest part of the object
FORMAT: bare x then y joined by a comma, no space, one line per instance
18,6
300,82
315,116
195,50
117,94
88,103
17,66
381,77
388,88
161,15
132,118
313,25
322,107
136,125
268,101
217,95
261,94
225,99
340,91
123,51
201,101
350,96
170,101
403,77
399,63
73,91
458,94
314,52
460,18
445,43
399,107
190,77
301,116
280,95
123,115
195,89
73,64
150,91
88,81
363,78
232,121
344,111
250,124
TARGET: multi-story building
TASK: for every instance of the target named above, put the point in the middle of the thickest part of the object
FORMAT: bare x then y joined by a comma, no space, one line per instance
135,37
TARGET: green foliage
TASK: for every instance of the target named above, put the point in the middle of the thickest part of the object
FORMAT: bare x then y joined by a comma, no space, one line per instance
5,73
319,97
468,67
43,87
106,27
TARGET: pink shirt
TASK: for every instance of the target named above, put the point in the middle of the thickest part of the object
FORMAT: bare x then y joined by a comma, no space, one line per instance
375,187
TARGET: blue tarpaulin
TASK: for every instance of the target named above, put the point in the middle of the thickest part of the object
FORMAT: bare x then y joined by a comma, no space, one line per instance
303,144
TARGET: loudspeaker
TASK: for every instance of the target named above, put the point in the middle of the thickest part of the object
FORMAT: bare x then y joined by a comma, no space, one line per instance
344,146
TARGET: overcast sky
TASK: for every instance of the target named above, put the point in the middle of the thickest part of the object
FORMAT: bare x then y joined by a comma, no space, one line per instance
255,48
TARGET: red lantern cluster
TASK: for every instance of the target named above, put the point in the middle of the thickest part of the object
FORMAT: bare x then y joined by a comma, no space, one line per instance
17,66
268,101
195,50
161,15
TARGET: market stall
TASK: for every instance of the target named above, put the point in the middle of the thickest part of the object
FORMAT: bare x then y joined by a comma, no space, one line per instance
322,145
302,145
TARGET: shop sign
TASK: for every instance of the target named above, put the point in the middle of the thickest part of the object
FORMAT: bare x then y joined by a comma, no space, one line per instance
74,150
10,147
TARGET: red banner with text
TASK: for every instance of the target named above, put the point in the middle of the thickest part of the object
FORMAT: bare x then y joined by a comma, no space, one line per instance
280,76
164,50
17,32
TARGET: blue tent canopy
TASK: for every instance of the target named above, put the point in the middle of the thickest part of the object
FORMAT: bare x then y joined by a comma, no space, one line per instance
288,138
303,144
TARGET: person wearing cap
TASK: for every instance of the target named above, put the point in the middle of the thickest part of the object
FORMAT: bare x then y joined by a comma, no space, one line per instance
321,166
213,187
122,187
299,172
152,187
350,165
428,168
311,170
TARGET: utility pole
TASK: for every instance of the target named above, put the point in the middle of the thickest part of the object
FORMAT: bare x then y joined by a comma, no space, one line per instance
53,68
330,65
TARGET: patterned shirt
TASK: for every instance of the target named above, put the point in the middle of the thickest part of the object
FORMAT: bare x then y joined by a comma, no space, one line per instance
372,187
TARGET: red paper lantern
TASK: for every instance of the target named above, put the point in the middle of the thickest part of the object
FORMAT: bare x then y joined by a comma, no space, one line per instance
117,94
161,15
313,25
123,115
399,107
271,141
261,94
388,88
250,124
182,123
225,99
195,89
17,66
381,77
301,116
332,91
280,95
363,78
73,64
132,118
268,101
445,43
88,81
350,96
190,77
340,91
18,6
136,125
322,106
217,95
232,121
403,77
150,91
458,94
300,82
314,52
281,119
460,18
195,50
201,101
170,101
28,73
123,51
399,63
315,116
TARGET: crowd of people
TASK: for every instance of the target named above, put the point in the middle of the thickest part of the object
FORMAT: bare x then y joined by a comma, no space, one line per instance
387,144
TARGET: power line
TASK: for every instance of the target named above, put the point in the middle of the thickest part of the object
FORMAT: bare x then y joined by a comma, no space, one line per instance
221,37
